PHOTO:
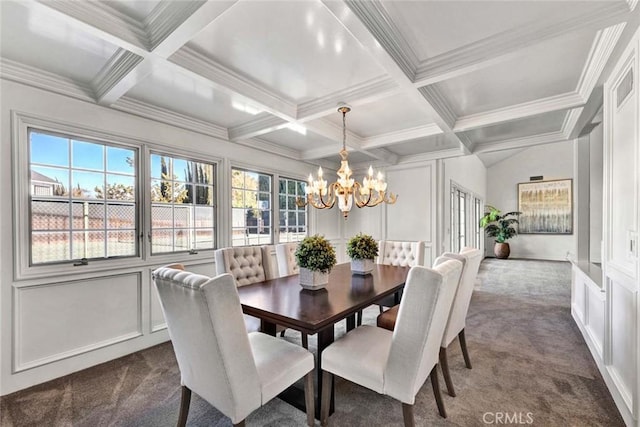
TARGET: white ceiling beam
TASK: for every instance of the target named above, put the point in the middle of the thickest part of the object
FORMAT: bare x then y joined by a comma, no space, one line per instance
432,155
220,78
511,43
391,138
368,24
101,21
545,105
265,123
545,138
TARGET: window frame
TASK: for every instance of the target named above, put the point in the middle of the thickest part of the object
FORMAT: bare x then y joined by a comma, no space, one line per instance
21,196
306,211
163,151
274,217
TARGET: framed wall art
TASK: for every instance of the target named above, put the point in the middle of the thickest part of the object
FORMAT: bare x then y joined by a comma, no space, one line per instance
546,206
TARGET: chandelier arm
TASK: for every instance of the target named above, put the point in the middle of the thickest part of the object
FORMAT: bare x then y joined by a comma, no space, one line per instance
331,192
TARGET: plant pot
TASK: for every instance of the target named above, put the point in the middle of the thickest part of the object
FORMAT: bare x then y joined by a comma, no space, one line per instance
361,266
501,250
313,280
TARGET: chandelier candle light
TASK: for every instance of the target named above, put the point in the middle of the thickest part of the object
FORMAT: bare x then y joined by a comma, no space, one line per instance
370,193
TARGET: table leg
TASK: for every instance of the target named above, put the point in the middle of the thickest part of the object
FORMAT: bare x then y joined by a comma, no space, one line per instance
267,327
351,322
325,338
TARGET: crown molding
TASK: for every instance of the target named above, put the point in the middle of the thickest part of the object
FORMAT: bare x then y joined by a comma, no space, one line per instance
270,147
378,22
439,103
172,24
570,121
382,154
166,17
364,93
148,111
545,105
391,138
225,80
115,70
432,155
601,49
498,47
35,77
102,21
528,141
265,123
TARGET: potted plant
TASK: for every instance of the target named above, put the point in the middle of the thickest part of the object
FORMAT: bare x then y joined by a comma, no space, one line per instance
362,249
316,257
501,227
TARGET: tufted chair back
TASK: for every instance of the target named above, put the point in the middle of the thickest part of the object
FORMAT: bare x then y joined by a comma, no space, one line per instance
401,253
286,254
244,263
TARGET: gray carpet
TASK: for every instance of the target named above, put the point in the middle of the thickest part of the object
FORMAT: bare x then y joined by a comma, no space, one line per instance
529,362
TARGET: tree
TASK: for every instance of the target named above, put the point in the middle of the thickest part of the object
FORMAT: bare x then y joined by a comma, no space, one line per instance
168,190
201,195
116,192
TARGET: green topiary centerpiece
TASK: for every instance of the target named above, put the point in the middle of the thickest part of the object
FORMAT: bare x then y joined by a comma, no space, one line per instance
316,257
362,249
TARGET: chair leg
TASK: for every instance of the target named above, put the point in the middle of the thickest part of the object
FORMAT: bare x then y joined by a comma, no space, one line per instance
407,415
359,318
436,391
240,424
282,333
444,364
305,340
381,309
465,352
327,382
309,398
185,400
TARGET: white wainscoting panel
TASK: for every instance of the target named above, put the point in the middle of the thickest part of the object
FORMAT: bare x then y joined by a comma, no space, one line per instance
595,318
623,337
157,318
60,320
578,293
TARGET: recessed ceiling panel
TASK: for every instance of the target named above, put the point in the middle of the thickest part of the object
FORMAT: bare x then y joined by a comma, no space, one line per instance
136,9
45,41
540,124
435,27
183,94
546,69
389,114
293,139
422,145
296,49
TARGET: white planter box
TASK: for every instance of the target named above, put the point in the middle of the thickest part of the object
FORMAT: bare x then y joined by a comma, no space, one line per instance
313,280
361,266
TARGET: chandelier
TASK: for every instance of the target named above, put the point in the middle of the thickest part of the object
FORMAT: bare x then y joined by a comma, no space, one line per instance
346,190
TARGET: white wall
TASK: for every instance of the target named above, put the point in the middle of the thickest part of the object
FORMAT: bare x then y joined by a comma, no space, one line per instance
553,161
469,173
52,326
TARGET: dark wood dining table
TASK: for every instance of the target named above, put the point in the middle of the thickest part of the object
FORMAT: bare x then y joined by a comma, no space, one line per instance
284,302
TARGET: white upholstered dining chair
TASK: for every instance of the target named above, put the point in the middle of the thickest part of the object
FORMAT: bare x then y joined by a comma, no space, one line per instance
457,318
286,255
398,363
470,258
247,265
404,254
233,370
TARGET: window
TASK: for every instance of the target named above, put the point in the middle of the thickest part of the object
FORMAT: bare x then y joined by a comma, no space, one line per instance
251,208
458,219
182,205
475,221
83,199
293,219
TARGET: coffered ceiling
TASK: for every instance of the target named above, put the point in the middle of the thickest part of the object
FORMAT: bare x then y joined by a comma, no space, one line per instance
425,79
